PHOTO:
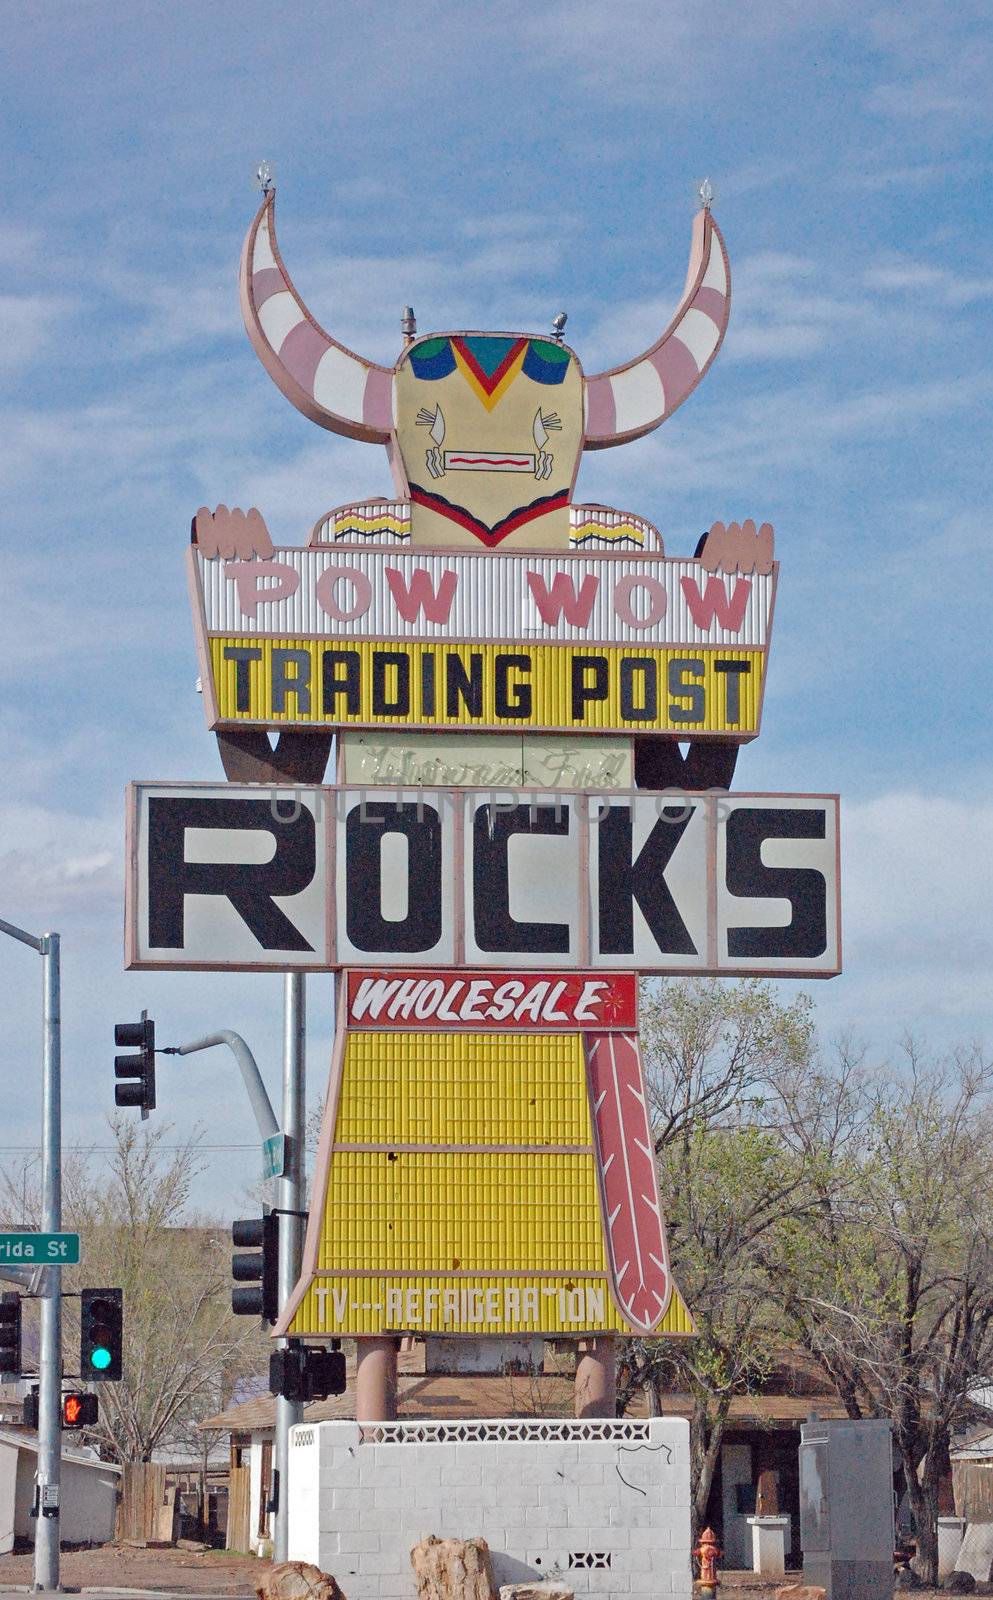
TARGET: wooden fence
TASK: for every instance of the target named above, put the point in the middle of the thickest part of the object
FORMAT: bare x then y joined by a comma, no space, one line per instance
972,1486
239,1530
145,1509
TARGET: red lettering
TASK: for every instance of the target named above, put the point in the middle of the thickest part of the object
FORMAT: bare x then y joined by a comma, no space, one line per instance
562,599
259,581
715,602
418,593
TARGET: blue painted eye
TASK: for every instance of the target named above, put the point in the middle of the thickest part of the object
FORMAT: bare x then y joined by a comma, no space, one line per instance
546,362
432,359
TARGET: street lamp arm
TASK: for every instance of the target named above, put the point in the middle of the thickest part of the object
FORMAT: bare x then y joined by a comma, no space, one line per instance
19,933
265,1117
30,1277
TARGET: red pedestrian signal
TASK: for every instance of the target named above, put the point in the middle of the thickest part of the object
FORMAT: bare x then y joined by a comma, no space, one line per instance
79,1410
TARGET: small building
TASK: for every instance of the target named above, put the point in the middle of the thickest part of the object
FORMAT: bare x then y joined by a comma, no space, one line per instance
89,1493
757,1471
972,1475
252,1425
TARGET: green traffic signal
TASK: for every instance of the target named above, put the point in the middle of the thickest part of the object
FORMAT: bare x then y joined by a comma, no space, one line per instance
101,1330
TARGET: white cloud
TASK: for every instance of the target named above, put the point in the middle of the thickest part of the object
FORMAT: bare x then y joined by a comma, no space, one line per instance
29,324
917,886
54,862
938,282
900,175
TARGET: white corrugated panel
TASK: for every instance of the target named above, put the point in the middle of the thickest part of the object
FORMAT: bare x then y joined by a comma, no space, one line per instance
492,599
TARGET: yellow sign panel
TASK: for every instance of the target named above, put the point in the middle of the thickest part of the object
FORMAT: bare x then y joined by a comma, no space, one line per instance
617,688
473,1303
458,1193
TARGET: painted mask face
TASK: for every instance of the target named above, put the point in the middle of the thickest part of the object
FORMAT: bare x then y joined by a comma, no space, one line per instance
484,430
489,429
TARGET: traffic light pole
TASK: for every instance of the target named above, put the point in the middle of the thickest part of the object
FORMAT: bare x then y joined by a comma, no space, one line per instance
47,1476
46,1539
291,1202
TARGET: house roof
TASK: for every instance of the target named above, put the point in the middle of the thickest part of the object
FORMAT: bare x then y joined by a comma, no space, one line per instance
421,1396
29,1441
974,1445
453,1396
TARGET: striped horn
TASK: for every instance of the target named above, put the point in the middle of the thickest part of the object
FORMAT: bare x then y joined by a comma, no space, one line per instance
329,384
628,401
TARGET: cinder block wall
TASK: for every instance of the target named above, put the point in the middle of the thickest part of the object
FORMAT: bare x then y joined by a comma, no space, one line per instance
603,1506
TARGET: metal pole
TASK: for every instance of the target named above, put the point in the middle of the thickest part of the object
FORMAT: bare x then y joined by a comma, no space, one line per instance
265,1117
46,1544
291,1198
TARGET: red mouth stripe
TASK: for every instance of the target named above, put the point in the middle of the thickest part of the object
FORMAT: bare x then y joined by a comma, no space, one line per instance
494,461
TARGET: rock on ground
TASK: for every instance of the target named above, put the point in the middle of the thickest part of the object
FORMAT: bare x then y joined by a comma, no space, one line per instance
453,1569
297,1580
536,1591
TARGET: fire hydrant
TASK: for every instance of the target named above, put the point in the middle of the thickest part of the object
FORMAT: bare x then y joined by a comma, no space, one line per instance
707,1553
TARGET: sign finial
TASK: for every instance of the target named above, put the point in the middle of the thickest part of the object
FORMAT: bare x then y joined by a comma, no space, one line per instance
265,177
707,194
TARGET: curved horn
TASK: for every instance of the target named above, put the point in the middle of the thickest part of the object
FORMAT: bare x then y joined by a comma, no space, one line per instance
329,384
628,401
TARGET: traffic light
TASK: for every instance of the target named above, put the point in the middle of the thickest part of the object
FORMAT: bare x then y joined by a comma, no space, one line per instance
10,1333
299,1373
139,1069
260,1268
79,1410
101,1335
29,1414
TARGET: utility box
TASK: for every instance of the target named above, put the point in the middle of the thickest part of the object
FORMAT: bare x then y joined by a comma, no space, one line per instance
846,1508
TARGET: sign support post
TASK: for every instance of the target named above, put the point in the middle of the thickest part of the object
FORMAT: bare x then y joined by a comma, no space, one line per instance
291,1195
47,1477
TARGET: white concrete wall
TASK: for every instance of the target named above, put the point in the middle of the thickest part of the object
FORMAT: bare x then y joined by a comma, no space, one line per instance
8,1490
553,1499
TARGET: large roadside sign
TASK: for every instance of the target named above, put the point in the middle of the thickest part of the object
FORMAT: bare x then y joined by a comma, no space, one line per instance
491,642
243,877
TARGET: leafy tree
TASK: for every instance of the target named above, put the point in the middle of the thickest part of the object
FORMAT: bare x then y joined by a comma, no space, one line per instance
716,1055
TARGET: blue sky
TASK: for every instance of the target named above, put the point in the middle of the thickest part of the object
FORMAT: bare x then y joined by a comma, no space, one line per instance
493,165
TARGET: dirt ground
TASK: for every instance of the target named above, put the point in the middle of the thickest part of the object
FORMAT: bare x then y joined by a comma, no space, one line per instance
217,1572
746,1586
120,1567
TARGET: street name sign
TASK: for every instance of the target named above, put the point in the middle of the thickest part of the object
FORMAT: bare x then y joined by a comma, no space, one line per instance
34,1249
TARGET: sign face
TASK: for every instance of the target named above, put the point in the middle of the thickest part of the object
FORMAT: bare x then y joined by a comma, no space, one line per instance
528,761
506,1000
579,643
228,876
35,1249
274,1156
507,1184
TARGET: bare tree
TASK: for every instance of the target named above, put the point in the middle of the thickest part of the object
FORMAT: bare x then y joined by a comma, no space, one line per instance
889,1279
183,1349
